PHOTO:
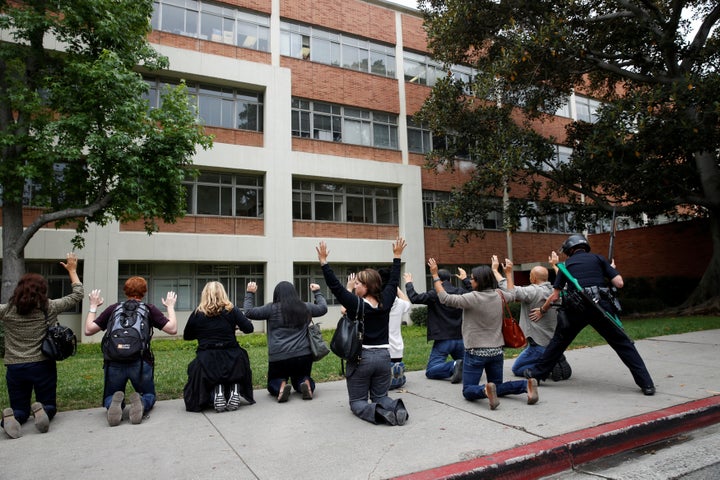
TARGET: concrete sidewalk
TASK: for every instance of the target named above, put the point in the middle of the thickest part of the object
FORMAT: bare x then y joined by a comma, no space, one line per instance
599,411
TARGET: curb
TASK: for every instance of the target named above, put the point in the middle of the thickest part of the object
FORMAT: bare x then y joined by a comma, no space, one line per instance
563,452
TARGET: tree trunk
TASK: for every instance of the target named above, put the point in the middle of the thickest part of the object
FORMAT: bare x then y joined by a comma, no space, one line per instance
13,265
705,299
13,260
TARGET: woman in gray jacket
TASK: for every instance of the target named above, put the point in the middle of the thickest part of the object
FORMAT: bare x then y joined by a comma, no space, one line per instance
289,355
483,338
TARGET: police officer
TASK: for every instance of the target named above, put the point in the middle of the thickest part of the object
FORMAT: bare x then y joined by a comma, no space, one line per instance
591,271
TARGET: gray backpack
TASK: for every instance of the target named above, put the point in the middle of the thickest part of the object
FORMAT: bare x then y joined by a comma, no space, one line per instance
127,337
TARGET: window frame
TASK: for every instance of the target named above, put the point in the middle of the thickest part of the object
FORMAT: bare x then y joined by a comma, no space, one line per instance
334,123
189,279
228,182
236,24
230,103
378,202
345,51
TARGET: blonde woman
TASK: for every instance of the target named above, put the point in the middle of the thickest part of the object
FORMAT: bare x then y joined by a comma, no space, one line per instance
220,374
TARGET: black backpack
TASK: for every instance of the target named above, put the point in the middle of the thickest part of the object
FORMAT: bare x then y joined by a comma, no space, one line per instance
127,337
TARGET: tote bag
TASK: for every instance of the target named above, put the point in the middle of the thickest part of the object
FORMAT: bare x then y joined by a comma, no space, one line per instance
512,333
318,346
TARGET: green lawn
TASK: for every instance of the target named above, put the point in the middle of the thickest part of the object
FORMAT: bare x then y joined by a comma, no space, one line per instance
80,378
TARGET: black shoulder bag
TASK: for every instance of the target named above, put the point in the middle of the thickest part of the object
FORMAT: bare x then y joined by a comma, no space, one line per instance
60,341
347,340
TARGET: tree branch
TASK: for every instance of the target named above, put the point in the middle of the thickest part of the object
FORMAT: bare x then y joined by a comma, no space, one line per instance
68,213
630,75
700,39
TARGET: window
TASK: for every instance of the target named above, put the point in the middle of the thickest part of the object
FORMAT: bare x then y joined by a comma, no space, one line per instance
218,106
335,123
225,194
340,50
453,269
305,274
338,202
419,137
213,22
188,280
421,69
59,284
564,109
586,109
562,157
431,200
556,221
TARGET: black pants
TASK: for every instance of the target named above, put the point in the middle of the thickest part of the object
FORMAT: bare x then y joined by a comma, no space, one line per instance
569,327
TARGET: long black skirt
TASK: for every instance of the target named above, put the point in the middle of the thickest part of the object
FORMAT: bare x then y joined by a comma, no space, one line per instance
217,367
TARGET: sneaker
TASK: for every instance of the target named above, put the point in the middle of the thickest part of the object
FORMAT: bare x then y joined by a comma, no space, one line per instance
136,408
397,375
219,399
649,391
307,393
491,393
284,395
561,370
42,421
456,376
532,391
233,402
115,411
10,424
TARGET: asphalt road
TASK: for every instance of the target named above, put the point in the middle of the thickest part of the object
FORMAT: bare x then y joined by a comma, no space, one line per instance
690,456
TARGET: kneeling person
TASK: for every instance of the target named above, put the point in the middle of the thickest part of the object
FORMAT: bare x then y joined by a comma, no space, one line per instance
126,347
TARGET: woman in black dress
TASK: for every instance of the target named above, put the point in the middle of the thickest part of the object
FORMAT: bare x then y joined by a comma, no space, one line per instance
220,374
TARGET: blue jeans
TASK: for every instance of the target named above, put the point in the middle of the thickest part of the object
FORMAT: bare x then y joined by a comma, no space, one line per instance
437,367
528,358
23,378
140,374
473,367
370,376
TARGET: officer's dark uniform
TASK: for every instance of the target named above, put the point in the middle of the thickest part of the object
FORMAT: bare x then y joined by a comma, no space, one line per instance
591,270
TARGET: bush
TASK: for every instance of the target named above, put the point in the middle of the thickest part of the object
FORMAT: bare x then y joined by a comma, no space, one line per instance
418,316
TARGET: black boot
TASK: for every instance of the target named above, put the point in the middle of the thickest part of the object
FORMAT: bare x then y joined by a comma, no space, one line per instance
385,415
401,414
561,370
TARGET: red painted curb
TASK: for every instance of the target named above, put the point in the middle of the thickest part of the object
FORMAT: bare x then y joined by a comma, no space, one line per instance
560,453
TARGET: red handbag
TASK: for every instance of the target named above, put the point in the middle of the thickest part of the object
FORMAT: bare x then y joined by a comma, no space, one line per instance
512,333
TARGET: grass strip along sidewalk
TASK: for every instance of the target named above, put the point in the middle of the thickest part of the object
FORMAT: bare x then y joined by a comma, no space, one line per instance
80,378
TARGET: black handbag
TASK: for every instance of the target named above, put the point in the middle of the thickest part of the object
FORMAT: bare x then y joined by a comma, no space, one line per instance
317,344
59,343
347,340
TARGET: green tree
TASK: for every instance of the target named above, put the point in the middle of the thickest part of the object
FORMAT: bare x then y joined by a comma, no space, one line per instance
78,140
653,148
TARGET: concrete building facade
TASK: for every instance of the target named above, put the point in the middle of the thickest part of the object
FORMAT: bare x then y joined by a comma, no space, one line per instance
310,105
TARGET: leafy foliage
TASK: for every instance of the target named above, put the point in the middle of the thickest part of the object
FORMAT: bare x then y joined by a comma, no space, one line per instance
78,138
653,149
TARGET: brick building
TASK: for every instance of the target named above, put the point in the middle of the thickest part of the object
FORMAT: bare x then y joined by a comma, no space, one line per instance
310,105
